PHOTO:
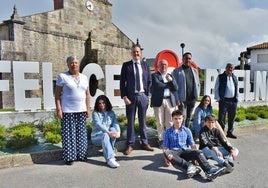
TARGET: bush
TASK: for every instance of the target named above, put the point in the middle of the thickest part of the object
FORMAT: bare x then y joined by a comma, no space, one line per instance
251,109
53,137
53,126
215,112
89,130
52,130
122,120
240,117
2,132
263,114
1,144
2,135
21,136
251,116
240,114
241,110
151,121
136,126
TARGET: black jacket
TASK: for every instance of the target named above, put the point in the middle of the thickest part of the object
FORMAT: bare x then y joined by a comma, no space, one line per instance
212,138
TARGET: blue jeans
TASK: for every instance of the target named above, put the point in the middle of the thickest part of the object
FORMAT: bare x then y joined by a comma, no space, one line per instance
209,153
107,143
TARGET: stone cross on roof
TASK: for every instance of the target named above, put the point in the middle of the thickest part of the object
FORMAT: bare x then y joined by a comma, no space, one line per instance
15,15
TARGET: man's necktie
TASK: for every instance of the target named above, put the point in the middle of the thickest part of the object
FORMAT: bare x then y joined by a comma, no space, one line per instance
137,77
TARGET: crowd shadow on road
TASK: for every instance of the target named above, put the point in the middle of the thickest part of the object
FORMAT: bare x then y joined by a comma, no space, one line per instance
96,162
158,165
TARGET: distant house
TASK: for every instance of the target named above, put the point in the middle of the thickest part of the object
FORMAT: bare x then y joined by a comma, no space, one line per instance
258,55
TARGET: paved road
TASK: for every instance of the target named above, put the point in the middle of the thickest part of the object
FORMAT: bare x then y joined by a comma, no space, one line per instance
144,169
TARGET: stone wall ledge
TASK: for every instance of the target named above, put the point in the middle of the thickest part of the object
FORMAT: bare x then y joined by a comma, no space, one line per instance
42,157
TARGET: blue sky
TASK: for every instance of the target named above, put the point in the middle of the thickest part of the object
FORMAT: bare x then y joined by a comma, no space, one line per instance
215,31
255,4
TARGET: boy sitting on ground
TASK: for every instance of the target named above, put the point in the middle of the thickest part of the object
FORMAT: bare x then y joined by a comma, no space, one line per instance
215,146
177,140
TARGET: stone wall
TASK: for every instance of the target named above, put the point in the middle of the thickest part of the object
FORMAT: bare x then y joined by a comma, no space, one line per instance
54,35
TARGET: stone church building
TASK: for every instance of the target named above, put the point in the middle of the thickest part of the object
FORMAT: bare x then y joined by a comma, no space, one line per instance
82,28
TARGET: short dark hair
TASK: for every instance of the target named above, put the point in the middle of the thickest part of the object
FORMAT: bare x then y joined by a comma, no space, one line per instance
186,53
210,117
106,101
136,45
177,113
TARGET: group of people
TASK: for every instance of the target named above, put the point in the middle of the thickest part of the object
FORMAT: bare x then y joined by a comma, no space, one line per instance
180,150
167,91
73,108
180,89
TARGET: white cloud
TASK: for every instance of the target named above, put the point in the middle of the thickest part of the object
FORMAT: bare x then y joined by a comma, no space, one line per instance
215,31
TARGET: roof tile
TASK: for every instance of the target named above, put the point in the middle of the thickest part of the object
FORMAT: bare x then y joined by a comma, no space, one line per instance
258,46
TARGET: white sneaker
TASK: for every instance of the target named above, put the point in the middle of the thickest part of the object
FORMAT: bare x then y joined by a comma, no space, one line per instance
112,163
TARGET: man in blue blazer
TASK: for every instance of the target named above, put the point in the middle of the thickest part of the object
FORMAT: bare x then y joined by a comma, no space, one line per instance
135,81
163,99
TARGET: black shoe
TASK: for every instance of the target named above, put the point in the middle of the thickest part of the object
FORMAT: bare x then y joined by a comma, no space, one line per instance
69,162
231,135
214,173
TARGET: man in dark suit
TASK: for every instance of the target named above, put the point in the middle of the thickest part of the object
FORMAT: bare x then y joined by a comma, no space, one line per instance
163,99
135,81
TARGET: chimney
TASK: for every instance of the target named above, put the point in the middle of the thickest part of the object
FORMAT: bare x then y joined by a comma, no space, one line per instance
58,4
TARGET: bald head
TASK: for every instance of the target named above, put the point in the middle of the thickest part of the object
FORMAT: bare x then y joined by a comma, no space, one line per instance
162,65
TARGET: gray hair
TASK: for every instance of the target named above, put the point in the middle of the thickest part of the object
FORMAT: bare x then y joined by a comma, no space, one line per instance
229,65
70,59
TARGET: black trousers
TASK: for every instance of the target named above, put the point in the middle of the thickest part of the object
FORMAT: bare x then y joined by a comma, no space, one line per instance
182,157
187,108
228,106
